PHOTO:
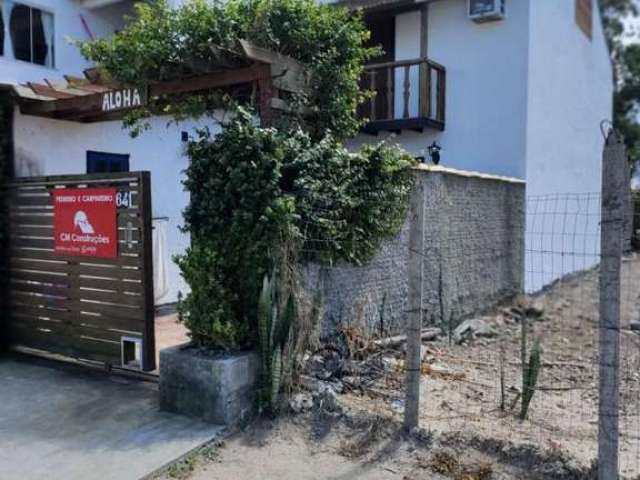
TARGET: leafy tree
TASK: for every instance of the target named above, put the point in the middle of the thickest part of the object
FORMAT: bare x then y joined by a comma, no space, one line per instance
626,58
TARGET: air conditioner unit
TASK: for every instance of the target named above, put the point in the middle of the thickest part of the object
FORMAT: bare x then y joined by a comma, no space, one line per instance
481,11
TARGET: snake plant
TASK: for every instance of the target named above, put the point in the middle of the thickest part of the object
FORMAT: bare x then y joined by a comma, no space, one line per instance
273,332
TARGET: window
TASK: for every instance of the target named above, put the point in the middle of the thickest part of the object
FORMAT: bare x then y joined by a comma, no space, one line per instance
30,33
102,162
584,16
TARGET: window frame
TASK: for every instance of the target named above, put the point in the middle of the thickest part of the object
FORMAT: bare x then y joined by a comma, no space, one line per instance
9,54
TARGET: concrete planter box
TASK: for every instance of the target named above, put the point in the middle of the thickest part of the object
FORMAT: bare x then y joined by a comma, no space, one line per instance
218,388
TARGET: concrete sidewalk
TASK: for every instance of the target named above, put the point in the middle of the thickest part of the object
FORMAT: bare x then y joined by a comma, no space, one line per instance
67,422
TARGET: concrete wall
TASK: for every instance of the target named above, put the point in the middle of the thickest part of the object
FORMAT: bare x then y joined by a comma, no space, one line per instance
474,254
68,24
487,75
51,147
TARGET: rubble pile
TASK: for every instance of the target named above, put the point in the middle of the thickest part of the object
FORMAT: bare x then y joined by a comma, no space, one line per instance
375,366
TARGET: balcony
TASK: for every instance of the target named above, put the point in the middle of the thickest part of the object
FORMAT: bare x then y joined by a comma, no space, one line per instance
409,95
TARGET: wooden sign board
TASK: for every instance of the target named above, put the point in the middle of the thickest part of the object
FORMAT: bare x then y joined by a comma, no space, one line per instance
124,99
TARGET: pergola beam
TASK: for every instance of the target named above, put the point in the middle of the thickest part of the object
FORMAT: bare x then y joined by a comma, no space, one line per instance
96,98
48,91
68,105
225,78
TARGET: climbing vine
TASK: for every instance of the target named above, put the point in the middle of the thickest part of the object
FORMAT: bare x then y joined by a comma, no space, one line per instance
263,200
163,43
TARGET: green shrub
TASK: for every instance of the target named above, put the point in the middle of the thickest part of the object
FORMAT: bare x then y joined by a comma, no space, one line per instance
205,310
255,190
252,189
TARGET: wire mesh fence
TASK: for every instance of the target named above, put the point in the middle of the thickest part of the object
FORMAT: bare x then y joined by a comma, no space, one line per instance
473,378
478,363
480,383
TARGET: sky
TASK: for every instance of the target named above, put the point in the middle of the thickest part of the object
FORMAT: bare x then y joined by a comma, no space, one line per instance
633,27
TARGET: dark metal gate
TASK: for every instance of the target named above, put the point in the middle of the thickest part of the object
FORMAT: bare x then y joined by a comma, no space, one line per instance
85,307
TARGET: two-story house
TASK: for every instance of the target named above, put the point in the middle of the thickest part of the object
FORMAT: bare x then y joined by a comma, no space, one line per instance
509,87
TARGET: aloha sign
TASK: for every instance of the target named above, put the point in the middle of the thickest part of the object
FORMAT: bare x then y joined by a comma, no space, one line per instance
123,99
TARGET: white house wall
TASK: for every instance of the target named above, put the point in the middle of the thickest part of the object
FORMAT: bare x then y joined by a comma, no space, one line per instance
570,93
52,147
407,47
487,70
68,24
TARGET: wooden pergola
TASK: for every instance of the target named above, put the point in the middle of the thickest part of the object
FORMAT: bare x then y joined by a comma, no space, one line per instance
271,77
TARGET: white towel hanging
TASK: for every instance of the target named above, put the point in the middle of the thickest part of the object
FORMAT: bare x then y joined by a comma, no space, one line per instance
160,280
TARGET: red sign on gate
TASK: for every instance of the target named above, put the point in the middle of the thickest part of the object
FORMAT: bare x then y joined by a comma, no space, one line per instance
85,222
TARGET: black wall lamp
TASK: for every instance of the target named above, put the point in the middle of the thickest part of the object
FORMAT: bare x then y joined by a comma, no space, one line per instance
434,152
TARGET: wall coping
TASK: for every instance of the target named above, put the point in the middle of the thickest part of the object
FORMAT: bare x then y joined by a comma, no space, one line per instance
423,167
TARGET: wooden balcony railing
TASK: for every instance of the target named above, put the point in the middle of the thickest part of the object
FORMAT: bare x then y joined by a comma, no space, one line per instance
408,94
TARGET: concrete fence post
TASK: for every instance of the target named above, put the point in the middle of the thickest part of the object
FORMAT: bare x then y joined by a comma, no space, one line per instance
628,205
414,317
612,234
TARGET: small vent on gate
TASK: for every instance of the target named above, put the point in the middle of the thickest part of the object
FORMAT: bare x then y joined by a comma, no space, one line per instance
131,352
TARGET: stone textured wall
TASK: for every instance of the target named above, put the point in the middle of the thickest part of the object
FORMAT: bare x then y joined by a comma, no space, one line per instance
473,258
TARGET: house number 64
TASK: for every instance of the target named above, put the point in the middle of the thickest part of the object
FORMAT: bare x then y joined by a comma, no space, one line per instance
123,199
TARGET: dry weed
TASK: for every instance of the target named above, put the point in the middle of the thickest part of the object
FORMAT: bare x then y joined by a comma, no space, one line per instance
445,463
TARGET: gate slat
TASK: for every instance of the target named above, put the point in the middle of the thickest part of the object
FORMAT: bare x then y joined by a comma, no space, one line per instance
40,277
75,305
96,323
110,272
29,219
111,323
39,265
40,312
112,285
23,287
31,242
112,311
81,348
122,261
115,298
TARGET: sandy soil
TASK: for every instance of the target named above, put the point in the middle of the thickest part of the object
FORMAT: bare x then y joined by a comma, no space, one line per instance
460,408
563,413
294,449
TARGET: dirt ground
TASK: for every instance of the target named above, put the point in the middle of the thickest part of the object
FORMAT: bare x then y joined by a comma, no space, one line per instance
306,447
563,413
468,436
